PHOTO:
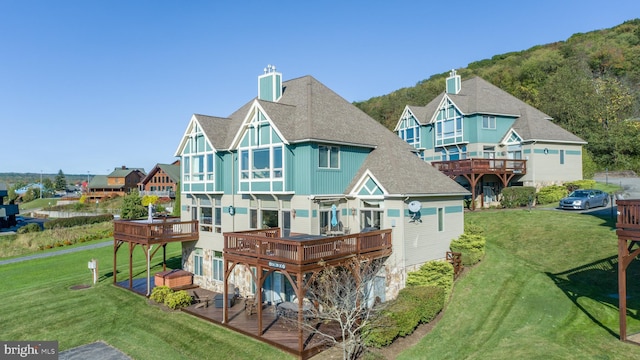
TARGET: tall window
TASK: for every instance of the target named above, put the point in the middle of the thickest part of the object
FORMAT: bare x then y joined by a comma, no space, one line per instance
217,222
217,266
326,216
197,262
197,158
488,122
409,130
206,218
253,219
561,157
448,125
440,219
329,157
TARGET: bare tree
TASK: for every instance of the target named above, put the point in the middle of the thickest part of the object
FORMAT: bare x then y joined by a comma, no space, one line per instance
343,295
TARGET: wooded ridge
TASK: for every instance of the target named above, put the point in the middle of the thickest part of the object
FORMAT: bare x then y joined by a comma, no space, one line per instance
589,84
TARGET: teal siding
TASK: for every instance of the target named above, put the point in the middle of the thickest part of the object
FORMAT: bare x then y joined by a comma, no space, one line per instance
308,178
186,188
526,151
303,213
209,187
224,175
314,213
242,210
393,212
473,154
423,212
197,187
453,209
474,133
426,136
541,151
573,152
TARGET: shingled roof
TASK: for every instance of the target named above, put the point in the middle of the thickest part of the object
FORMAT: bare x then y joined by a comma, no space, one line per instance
477,96
309,111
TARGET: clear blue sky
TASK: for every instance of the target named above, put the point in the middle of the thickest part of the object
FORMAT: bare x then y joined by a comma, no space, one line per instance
87,85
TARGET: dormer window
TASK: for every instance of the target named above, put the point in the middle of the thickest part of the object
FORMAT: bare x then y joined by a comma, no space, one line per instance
489,122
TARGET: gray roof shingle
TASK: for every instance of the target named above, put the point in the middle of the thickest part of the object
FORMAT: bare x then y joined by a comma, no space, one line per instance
309,111
477,96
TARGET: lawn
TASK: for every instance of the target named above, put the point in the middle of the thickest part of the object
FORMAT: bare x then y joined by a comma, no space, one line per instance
547,289
38,304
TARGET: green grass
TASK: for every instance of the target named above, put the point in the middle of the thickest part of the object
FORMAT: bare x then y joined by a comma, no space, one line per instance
38,204
37,304
545,290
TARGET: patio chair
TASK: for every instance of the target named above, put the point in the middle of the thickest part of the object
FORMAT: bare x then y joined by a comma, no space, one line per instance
250,305
201,301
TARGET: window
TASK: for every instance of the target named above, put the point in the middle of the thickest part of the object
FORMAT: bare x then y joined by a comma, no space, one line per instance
186,168
440,219
488,122
206,219
218,216
244,164
253,219
489,152
561,157
260,166
329,157
265,163
325,221
209,167
277,162
448,125
217,266
197,262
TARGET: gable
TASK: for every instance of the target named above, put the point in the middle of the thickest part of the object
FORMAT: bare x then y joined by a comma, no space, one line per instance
257,129
194,140
368,186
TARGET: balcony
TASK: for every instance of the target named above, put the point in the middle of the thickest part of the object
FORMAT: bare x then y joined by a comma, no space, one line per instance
481,166
159,231
303,252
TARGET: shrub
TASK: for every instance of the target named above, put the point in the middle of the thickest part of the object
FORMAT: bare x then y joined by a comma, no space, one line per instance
381,330
473,228
517,196
414,305
428,300
76,221
580,184
551,194
178,299
433,273
29,228
159,293
472,248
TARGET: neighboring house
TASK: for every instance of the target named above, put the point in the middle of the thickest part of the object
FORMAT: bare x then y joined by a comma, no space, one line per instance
304,160
487,139
161,181
26,188
118,183
9,211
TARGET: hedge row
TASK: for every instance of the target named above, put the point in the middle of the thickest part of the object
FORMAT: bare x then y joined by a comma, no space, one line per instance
77,221
414,305
433,273
517,196
472,248
551,194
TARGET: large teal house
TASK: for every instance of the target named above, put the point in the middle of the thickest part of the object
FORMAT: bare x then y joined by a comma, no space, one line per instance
487,139
300,158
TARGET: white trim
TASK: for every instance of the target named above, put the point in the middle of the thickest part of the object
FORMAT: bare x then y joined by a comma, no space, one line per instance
362,181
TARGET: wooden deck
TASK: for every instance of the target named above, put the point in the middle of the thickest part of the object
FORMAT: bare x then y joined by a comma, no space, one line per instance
160,231
628,231
278,332
481,166
299,254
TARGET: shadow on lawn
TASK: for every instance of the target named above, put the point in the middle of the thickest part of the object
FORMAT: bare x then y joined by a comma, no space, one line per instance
599,281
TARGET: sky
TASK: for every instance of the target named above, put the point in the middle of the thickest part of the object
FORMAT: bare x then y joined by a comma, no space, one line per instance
87,86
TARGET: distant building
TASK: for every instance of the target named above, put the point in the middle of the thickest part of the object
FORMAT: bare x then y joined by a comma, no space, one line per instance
118,183
9,211
161,181
487,139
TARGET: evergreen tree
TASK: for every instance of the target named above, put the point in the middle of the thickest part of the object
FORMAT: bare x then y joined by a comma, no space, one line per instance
60,182
132,206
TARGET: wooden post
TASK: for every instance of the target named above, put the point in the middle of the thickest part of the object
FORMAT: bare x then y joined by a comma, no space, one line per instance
623,252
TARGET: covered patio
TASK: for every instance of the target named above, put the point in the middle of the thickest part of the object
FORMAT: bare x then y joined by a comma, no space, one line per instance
299,258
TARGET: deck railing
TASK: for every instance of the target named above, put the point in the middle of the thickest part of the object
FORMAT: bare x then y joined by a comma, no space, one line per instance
267,245
481,165
159,231
628,214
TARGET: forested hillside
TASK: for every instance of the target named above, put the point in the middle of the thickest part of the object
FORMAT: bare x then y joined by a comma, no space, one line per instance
589,84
